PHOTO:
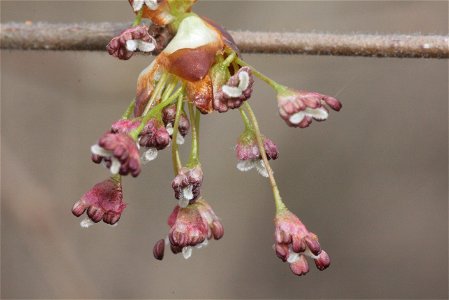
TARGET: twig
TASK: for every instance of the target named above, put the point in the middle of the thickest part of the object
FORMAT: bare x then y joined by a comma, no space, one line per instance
95,36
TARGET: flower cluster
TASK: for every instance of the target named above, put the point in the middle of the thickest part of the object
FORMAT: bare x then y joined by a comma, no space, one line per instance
293,242
190,227
198,70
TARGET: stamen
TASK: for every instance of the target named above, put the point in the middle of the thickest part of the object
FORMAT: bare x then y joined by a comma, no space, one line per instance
245,165
187,252
260,167
187,193
297,118
149,155
231,91
97,150
244,80
131,45
115,166
86,223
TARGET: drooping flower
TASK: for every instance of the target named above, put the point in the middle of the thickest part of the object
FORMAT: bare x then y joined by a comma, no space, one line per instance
299,108
187,185
104,201
154,137
119,152
293,243
190,227
169,116
248,154
130,40
237,90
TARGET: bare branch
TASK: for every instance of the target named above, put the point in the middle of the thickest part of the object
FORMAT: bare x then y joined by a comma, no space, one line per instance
95,36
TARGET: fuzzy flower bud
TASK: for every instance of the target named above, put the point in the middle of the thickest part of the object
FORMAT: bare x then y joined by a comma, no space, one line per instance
299,108
104,201
190,227
248,153
238,89
293,242
119,152
130,40
187,185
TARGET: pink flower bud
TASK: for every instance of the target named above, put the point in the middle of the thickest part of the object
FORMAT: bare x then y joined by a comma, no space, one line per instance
187,184
103,201
293,242
119,152
124,126
158,249
154,135
299,108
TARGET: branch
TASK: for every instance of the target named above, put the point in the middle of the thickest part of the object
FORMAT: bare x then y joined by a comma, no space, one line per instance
95,36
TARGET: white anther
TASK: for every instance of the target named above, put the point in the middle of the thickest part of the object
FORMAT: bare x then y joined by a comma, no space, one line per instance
149,155
86,223
246,165
297,118
187,252
260,167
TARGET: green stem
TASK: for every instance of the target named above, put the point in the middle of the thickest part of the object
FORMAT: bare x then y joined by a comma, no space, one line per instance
138,18
129,110
175,154
117,178
194,152
245,119
170,87
231,57
276,86
156,92
280,206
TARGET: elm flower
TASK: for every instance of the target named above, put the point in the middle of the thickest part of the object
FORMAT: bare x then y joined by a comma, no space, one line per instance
293,242
104,201
248,153
129,41
119,152
188,230
299,108
190,227
155,137
237,90
169,116
187,185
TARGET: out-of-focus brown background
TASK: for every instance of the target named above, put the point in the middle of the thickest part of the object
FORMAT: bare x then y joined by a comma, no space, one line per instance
371,181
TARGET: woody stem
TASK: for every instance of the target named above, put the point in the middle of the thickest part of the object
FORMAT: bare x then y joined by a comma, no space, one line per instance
277,197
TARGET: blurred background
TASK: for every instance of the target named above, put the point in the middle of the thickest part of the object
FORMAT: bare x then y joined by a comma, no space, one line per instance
371,181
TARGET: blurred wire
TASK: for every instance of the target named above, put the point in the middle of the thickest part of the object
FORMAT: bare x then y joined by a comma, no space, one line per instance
95,36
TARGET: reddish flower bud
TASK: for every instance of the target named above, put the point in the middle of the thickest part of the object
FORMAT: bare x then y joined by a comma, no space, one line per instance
130,40
237,90
293,242
187,185
124,126
119,152
158,249
104,201
154,135
299,108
